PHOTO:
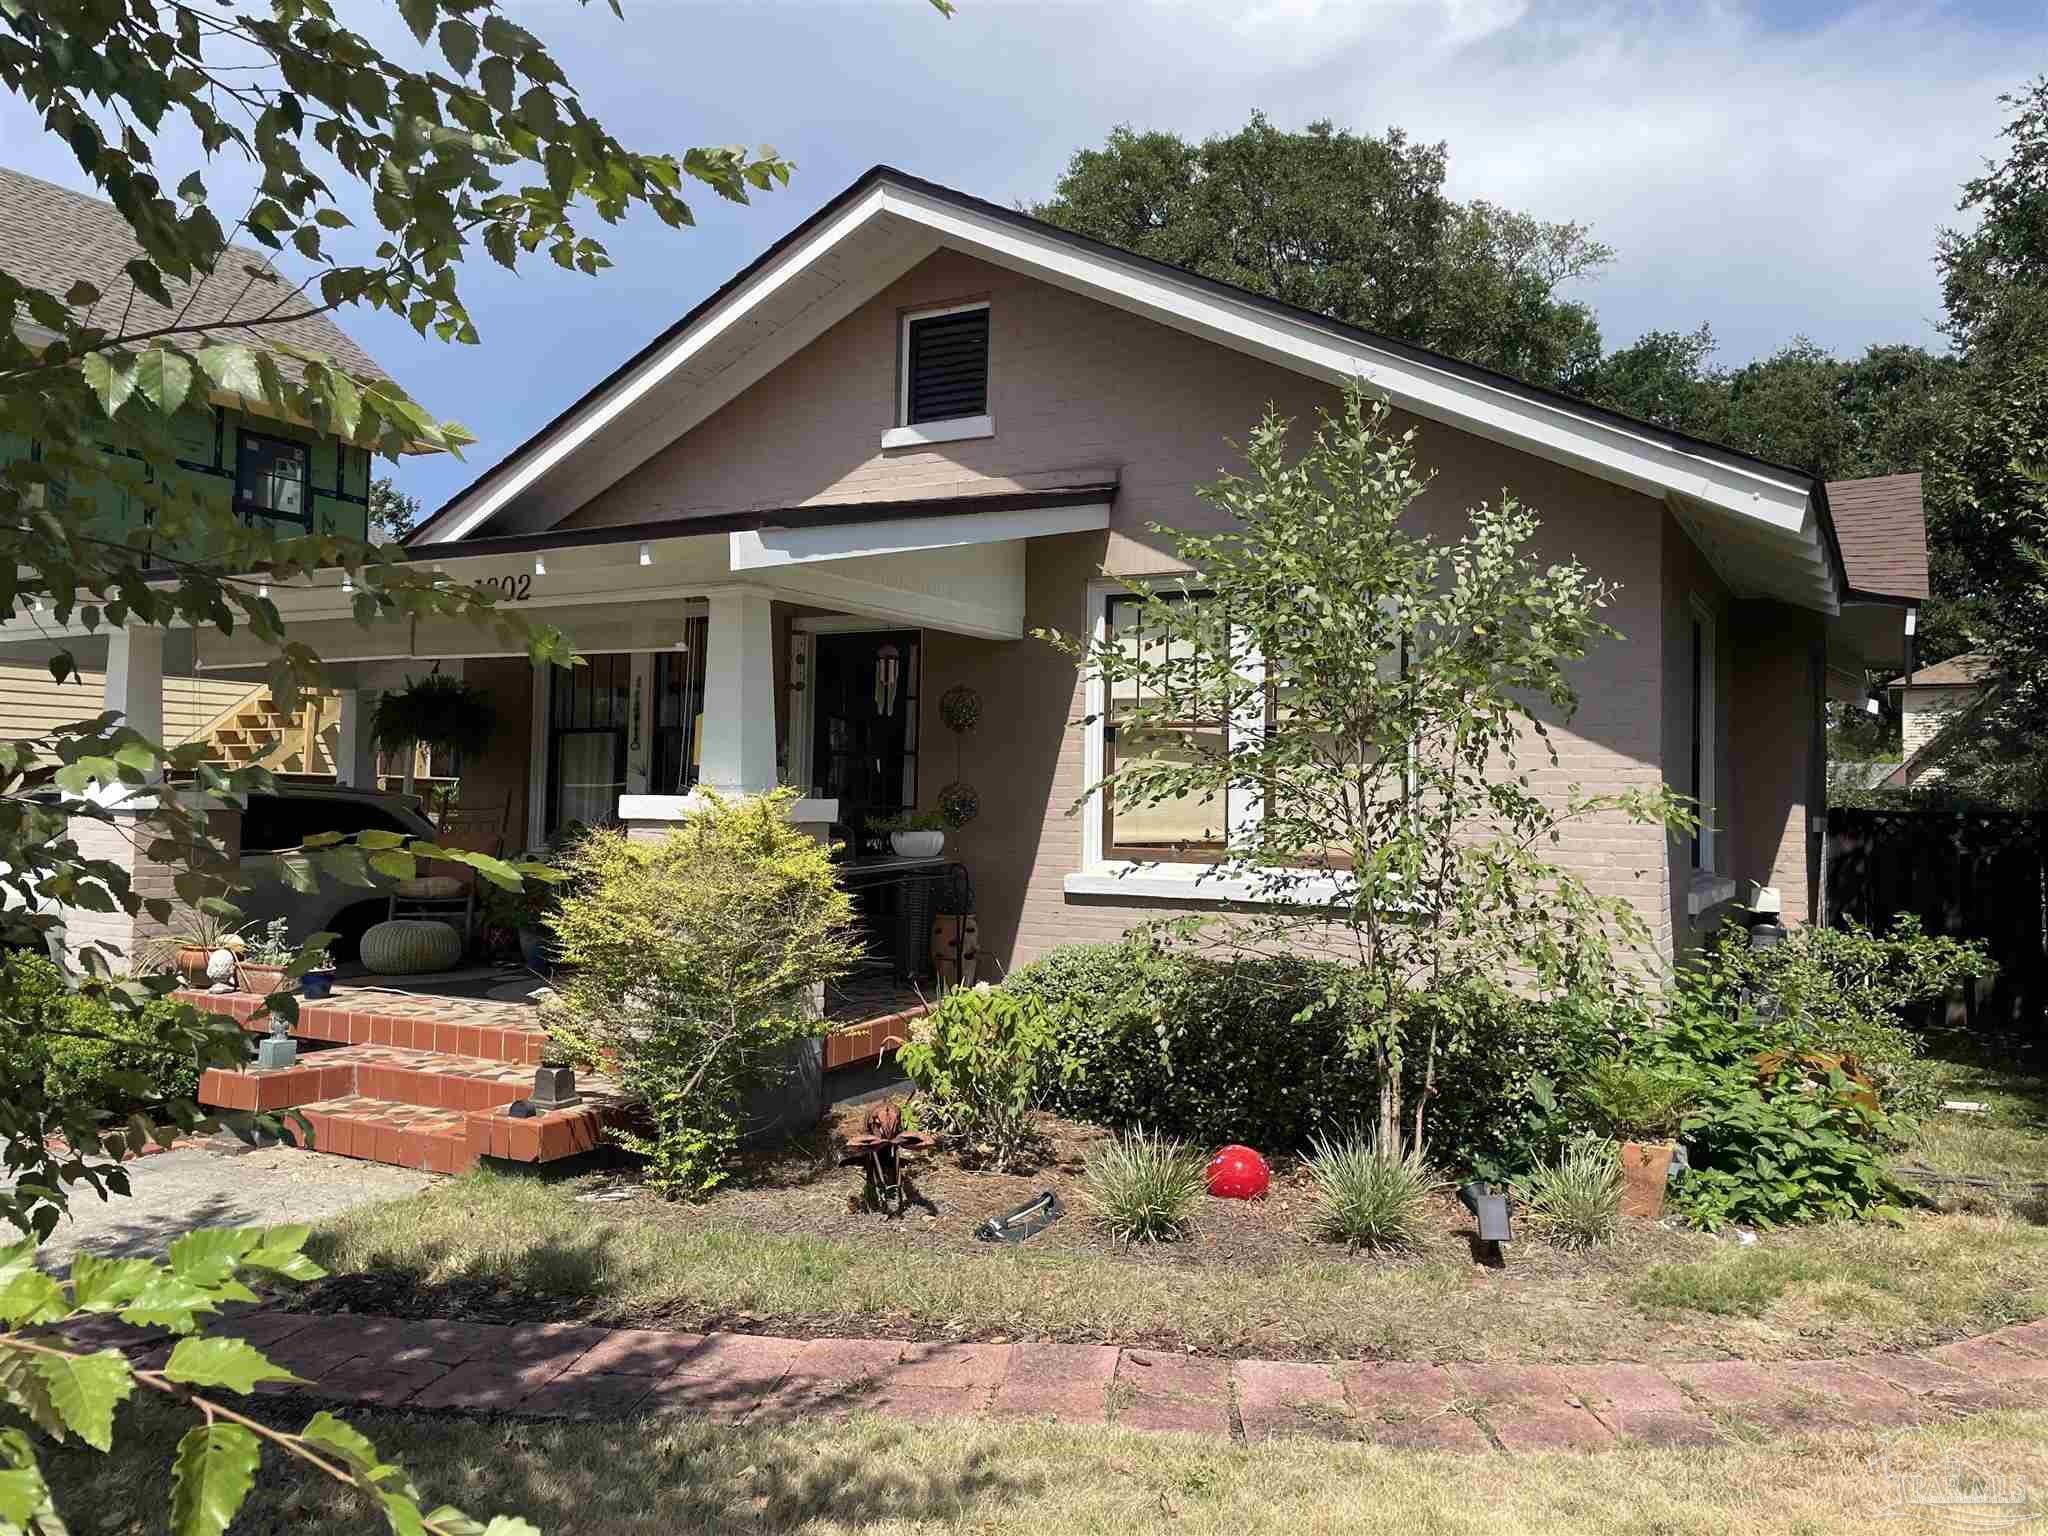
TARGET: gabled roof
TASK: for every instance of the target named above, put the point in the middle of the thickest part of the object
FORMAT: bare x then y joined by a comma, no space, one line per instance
1765,526
1882,524
52,237
1965,671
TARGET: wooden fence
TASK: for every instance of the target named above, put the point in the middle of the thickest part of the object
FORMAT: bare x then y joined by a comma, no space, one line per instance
1967,874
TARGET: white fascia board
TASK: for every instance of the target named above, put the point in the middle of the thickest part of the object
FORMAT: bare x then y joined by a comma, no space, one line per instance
622,396
810,584
1490,410
772,547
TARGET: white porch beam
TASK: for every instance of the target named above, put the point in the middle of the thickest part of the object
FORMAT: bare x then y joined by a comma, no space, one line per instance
355,748
739,693
771,547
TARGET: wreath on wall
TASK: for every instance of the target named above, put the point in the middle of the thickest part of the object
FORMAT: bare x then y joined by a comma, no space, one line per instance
436,710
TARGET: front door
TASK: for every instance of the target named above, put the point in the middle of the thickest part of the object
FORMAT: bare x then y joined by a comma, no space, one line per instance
864,727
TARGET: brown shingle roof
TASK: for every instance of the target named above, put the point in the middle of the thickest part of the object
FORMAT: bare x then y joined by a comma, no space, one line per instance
1882,527
1964,671
52,237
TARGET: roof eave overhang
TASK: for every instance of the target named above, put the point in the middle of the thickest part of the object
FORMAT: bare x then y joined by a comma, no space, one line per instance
1751,499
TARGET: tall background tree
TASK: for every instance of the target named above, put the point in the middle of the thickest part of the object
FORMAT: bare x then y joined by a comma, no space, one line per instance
1355,227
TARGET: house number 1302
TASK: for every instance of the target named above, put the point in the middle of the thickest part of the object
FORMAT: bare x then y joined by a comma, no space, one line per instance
514,589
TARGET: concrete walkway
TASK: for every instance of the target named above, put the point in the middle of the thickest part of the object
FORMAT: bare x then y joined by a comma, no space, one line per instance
222,1184
559,1370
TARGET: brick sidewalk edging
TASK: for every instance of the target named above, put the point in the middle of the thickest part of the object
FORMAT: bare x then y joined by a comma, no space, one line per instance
565,1370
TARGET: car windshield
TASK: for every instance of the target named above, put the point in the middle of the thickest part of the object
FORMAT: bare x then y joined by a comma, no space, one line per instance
273,822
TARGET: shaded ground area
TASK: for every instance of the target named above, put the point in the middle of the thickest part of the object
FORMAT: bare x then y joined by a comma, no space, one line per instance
221,1184
680,1473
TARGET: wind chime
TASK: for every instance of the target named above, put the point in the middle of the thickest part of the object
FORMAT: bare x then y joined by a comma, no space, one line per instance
956,938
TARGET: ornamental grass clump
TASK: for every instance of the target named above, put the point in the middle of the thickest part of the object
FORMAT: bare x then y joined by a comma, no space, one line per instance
1575,1202
1368,1194
1144,1188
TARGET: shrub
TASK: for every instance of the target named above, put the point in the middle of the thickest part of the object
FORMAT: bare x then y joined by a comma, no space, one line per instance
1781,1132
1256,1050
1634,1101
697,965
1851,991
1143,1187
1367,1195
982,1061
1575,1202
135,1064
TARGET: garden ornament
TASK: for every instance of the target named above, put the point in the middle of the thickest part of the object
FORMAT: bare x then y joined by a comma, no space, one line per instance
555,1088
881,1149
1238,1173
1026,1220
279,1049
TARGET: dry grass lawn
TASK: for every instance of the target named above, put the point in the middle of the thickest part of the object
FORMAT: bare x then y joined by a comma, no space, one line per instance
671,1478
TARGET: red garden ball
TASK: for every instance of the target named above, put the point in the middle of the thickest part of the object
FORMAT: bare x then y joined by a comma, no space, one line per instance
1238,1173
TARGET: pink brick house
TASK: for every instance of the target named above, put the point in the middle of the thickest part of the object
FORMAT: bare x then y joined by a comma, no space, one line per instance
920,425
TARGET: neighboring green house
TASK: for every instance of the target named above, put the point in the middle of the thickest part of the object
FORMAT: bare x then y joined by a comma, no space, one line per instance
273,473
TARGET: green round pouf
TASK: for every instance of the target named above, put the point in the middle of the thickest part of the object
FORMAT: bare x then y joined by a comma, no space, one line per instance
411,946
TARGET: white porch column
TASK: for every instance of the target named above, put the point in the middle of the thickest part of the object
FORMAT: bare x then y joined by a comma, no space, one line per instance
739,694
135,679
355,749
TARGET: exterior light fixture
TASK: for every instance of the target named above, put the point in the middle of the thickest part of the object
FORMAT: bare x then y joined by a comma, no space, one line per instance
1490,1216
348,582
263,589
646,555
888,679
540,566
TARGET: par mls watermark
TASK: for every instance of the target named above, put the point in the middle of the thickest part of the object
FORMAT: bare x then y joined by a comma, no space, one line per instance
1954,1494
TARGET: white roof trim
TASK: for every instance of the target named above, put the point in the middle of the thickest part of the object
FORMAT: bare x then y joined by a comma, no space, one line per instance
1750,495
772,547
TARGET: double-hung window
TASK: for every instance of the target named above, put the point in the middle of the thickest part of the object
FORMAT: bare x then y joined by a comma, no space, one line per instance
1191,828
273,479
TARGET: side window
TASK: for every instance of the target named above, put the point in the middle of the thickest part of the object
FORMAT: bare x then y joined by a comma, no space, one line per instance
271,477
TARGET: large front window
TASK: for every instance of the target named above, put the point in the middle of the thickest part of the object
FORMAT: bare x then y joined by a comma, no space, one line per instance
588,715
1190,827
679,712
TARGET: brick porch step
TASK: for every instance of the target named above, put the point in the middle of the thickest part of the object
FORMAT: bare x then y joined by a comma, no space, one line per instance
428,1079
443,1140
455,1026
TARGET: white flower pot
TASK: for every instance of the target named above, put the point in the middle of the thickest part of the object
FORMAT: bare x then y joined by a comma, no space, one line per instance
918,845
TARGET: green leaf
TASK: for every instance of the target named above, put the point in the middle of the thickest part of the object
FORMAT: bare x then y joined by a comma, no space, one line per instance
324,1429
208,1256
32,1297
222,1362
106,1285
111,378
391,861
211,1475
233,370
377,837
165,378
23,1494
458,42
84,1390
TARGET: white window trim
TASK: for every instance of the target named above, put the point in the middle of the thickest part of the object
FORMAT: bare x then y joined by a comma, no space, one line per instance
954,429
1710,736
1149,880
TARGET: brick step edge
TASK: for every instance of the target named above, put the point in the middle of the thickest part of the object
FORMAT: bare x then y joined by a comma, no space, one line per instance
339,1025
345,1128
315,1078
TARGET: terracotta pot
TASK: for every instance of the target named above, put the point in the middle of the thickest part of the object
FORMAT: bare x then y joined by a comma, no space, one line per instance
192,963
1645,1165
261,979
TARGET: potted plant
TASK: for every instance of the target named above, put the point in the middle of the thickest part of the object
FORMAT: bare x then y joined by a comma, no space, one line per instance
318,981
913,834
438,710
527,911
267,957
191,950
1640,1107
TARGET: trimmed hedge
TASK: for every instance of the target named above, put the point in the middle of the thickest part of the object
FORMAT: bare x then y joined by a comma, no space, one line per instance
77,1072
1255,1050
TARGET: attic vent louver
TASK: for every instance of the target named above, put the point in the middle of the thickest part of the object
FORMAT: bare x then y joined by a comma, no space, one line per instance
948,366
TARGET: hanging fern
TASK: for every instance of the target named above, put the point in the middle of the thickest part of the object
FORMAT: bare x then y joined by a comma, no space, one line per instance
437,710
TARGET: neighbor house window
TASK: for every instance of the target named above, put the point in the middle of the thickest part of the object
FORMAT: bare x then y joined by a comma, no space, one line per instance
271,478
945,364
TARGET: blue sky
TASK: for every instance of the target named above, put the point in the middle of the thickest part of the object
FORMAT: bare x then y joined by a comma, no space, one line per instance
1771,170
